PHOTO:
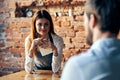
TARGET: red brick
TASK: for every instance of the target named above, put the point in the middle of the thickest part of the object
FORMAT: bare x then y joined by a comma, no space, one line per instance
22,50
79,28
75,51
4,64
8,30
77,23
70,33
25,3
26,24
10,44
69,45
61,31
65,24
24,35
79,45
80,34
67,40
11,4
87,46
78,40
14,50
62,34
67,54
22,40
79,18
57,23
18,45
83,50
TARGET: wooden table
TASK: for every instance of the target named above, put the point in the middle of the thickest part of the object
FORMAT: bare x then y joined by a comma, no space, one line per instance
39,75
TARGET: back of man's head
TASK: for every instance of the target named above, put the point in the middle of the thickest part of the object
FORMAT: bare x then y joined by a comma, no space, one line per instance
106,12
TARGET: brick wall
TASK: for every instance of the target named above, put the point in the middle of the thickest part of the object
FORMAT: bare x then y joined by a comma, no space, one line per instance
13,31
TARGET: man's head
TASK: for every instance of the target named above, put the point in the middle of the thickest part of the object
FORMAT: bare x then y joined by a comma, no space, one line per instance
102,13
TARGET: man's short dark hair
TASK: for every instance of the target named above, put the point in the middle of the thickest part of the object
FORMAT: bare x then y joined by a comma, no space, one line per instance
107,14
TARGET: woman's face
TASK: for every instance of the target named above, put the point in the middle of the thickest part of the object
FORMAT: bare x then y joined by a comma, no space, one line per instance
42,26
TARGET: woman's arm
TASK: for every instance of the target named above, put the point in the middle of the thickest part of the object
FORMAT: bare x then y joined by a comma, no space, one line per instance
28,58
56,60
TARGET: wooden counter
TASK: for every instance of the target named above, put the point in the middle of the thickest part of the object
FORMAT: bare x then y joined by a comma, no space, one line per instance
39,75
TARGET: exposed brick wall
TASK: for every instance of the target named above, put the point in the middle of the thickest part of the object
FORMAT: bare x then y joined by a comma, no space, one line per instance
14,30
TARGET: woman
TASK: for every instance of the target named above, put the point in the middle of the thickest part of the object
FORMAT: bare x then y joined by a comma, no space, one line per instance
43,36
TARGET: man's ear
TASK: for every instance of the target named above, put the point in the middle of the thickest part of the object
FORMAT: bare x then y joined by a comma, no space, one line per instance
92,22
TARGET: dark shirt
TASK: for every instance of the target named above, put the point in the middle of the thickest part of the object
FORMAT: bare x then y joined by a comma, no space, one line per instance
43,62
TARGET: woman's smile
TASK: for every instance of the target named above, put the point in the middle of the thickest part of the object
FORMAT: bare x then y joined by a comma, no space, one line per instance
42,26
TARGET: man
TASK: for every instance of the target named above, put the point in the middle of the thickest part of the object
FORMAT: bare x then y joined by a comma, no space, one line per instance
102,60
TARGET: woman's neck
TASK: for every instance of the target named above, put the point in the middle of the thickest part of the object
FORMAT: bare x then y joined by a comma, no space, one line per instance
44,36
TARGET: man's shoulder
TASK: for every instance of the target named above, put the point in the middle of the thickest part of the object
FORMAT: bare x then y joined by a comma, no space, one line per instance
82,58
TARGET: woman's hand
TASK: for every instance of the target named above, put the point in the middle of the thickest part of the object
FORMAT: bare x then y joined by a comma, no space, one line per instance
47,44
44,44
34,45
36,42
54,49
